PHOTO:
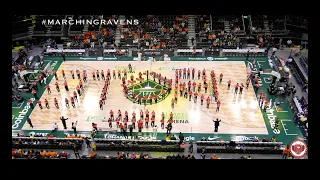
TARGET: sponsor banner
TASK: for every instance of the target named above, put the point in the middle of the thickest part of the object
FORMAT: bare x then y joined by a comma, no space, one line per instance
161,135
97,118
150,58
17,121
156,53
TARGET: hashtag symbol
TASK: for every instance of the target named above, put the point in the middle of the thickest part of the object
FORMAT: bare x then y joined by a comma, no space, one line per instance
44,22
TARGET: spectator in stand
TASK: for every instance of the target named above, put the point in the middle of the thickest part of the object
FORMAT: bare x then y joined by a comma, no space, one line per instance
286,152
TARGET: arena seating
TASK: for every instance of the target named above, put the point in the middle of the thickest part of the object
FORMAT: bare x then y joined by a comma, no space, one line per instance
39,27
301,106
276,64
296,72
217,23
276,22
45,143
138,145
295,20
20,26
76,27
304,63
235,22
57,27
258,22
243,147
156,27
36,154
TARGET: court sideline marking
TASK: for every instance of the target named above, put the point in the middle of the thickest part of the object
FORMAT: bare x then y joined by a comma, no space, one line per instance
285,130
17,107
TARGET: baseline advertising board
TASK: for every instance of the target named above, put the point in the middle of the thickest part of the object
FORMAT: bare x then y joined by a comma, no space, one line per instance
154,53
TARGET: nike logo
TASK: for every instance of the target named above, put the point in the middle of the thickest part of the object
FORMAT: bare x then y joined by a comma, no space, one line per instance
210,139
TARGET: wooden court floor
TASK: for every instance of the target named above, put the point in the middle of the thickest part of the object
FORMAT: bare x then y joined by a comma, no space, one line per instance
240,114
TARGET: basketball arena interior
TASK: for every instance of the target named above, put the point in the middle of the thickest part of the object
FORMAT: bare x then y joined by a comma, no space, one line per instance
159,87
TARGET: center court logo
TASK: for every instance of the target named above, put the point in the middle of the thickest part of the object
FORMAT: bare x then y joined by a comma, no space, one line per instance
298,149
147,88
90,22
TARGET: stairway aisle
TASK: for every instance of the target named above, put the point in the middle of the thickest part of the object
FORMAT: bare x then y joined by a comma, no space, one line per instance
191,30
118,33
227,27
266,27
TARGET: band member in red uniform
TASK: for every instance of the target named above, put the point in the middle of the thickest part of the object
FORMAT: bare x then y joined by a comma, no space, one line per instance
218,105
141,114
108,75
208,102
119,74
72,102
78,73
241,88
125,122
102,75
95,126
126,115
195,95
172,103
101,104
205,87
110,122
152,121
139,99
229,84
247,83
194,84
57,86
202,98
111,115
185,93
118,121
203,72
97,74
114,74
48,89
150,99
93,75
102,98
55,74
56,103
121,126
39,103
140,125
66,85
133,120
221,76
162,121
120,115
63,74
46,102
72,74
236,88
84,77
193,71
133,114
190,95
78,90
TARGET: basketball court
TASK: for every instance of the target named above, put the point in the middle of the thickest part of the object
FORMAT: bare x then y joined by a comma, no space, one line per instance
240,114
